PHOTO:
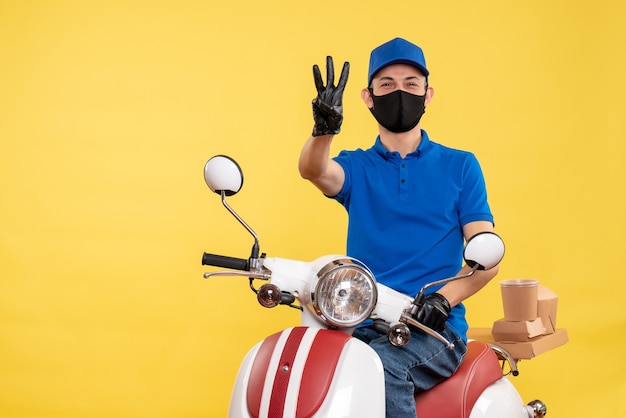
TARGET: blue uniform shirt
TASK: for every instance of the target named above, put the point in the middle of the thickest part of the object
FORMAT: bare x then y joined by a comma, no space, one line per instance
405,215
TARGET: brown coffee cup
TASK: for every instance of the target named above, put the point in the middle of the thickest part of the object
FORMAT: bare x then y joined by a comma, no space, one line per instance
519,299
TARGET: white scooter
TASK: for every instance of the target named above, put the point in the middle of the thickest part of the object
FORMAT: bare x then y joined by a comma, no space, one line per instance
317,369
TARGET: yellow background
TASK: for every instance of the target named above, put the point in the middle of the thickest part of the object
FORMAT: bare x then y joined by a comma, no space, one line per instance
109,109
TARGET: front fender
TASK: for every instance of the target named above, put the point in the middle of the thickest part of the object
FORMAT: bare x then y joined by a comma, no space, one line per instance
309,372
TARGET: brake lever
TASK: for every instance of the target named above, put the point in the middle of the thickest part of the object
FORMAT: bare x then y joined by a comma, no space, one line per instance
410,321
250,274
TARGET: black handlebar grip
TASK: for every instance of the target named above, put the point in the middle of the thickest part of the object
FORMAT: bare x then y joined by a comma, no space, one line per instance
225,262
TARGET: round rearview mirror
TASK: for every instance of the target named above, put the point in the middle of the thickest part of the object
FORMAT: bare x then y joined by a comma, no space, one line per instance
485,249
223,174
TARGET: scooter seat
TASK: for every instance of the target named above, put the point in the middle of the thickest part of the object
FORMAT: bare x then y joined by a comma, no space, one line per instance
455,397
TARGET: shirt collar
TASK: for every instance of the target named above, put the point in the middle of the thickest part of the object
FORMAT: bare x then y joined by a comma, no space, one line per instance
423,147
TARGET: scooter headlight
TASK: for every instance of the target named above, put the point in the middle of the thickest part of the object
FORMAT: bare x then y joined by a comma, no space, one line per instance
345,294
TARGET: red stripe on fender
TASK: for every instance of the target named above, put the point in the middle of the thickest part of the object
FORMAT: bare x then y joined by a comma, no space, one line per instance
319,370
258,373
283,373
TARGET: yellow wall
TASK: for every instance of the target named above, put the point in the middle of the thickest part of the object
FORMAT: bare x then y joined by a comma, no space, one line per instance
109,109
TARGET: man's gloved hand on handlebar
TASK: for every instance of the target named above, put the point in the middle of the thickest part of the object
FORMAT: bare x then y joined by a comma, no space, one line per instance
433,311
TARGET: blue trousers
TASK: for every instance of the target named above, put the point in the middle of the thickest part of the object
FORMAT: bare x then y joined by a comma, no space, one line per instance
418,366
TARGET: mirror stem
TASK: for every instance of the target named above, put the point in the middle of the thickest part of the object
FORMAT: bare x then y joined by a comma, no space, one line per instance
420,295
254,255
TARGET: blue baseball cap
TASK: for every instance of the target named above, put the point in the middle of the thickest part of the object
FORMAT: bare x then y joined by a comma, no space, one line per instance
396,51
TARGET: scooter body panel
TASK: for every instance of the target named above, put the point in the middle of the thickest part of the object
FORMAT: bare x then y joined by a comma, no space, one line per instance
280,378
500,398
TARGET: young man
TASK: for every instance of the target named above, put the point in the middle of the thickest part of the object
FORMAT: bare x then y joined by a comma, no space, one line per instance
411,203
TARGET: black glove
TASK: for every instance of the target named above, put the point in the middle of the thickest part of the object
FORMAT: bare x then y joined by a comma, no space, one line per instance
433,311
327,106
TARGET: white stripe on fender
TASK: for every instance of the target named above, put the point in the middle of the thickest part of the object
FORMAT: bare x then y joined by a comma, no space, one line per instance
271,373
297,369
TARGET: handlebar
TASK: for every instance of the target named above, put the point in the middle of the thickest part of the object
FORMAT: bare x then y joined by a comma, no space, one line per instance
225,262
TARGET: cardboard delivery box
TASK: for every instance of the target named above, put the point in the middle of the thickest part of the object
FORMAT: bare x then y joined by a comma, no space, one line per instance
503,330
522,349
546,308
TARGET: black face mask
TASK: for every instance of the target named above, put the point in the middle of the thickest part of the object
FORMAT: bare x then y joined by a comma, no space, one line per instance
398,111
